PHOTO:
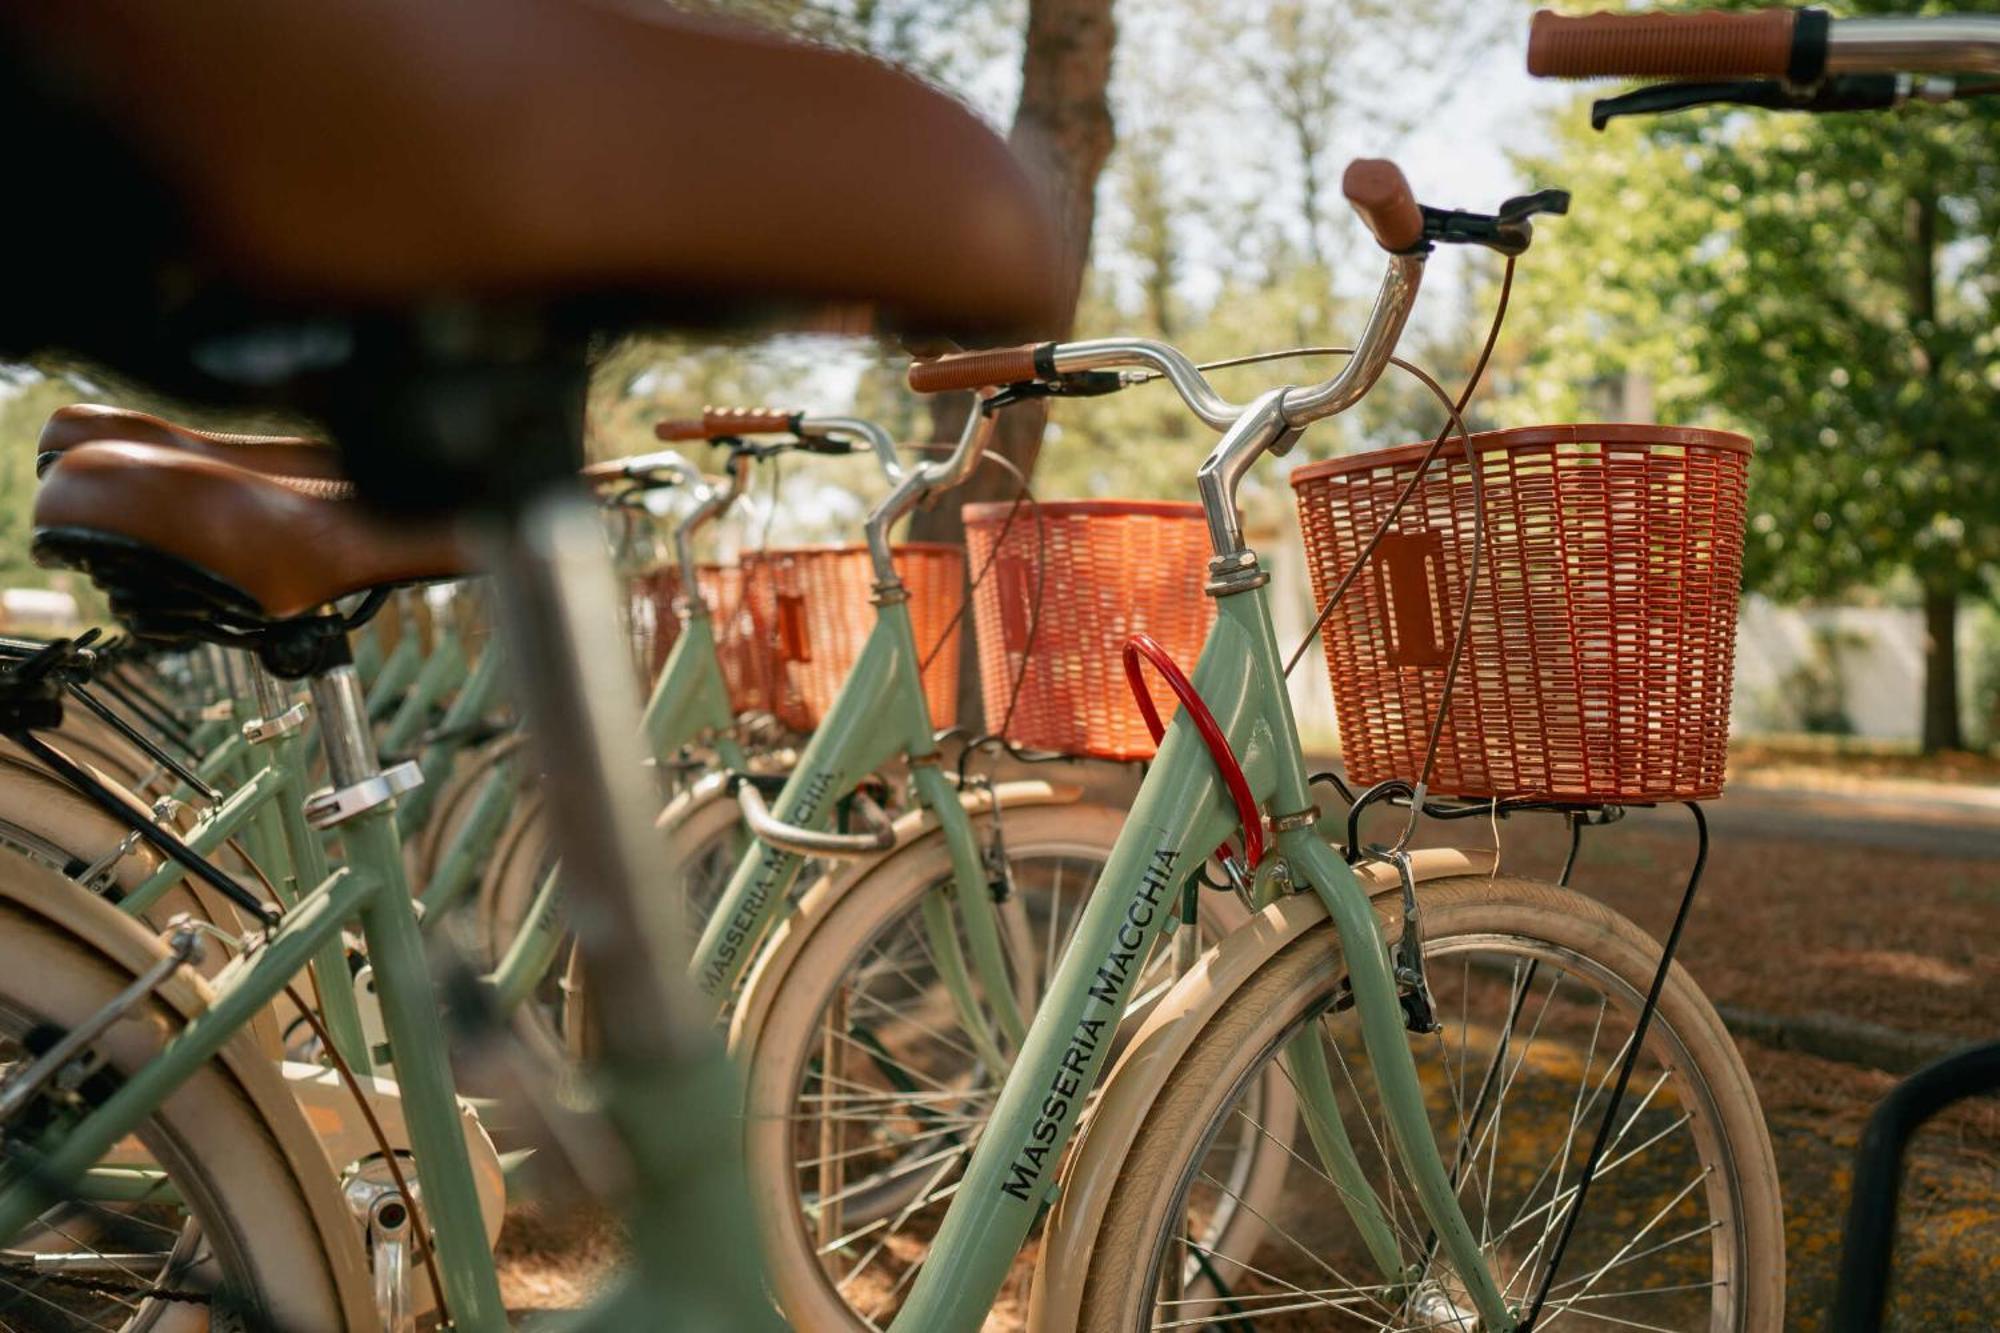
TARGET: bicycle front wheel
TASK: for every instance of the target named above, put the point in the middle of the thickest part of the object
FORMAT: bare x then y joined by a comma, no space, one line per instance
1537,992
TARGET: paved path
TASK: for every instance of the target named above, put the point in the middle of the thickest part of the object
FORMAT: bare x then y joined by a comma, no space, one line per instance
1944,821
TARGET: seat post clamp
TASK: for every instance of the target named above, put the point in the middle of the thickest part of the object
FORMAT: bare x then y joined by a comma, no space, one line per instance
329,806
1298,819
1231,574
260,730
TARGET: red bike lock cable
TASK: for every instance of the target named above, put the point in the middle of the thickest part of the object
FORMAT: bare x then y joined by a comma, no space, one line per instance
1144,646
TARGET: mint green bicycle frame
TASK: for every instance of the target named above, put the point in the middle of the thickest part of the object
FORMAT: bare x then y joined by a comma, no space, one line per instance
690,700
689,705
397,672
266,805
879,713
263,807
370,888
1181,814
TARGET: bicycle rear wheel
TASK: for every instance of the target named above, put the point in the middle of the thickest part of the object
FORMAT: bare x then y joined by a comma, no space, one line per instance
202,1219
1537,990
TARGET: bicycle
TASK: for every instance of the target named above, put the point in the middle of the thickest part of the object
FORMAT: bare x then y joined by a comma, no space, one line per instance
266,739
717,689
84,481
1117,1250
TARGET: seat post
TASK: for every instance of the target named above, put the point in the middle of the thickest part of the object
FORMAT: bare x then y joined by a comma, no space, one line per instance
361,804
343,726
274,701
494,431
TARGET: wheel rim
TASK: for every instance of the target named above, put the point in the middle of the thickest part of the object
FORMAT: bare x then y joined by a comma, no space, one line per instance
1543,1029
893,1191
86,1264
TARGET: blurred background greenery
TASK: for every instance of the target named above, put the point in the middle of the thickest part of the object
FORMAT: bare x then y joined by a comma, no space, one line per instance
1825,285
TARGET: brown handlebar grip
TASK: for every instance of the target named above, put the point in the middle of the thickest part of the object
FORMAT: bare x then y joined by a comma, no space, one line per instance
1378,192
1707,45
680,428
747,421
976,370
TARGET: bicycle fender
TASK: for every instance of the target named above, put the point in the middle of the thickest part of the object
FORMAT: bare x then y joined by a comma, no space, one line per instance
39,806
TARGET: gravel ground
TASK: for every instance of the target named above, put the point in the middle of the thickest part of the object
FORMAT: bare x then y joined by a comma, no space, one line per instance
555,1261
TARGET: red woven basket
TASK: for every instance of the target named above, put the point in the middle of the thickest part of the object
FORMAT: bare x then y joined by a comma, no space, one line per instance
1602,645
812,609
1105,570
742,652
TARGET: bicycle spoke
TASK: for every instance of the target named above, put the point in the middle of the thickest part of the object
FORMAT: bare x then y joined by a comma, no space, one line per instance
1292,1290
1291,1240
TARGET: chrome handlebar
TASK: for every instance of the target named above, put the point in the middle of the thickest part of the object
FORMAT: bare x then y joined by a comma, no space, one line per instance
1916,44
641,467
1249,431
924,480
711,502
1303,405
861,431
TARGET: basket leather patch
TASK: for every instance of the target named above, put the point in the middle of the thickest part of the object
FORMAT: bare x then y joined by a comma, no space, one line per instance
1016,577
1412,565
793,639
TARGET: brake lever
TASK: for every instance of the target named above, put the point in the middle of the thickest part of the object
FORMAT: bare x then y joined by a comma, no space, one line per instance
1843,92
757,453
1508,231
1075,384
826,444
1524,206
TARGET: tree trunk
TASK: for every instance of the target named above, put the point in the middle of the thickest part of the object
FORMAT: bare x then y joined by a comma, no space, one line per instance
1941,718
1941,729
1063,133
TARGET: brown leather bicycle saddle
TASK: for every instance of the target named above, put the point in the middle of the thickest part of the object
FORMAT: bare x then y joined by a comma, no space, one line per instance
378,151
182,539
291,456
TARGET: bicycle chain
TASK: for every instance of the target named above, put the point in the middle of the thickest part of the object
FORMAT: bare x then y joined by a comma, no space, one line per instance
106,1287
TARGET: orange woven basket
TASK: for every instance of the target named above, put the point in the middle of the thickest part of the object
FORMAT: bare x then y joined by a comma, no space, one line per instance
744,654
1601,650
1105,570
812,608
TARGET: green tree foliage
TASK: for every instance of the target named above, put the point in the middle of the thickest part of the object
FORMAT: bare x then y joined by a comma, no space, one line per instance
1825,284
946,41
27,397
